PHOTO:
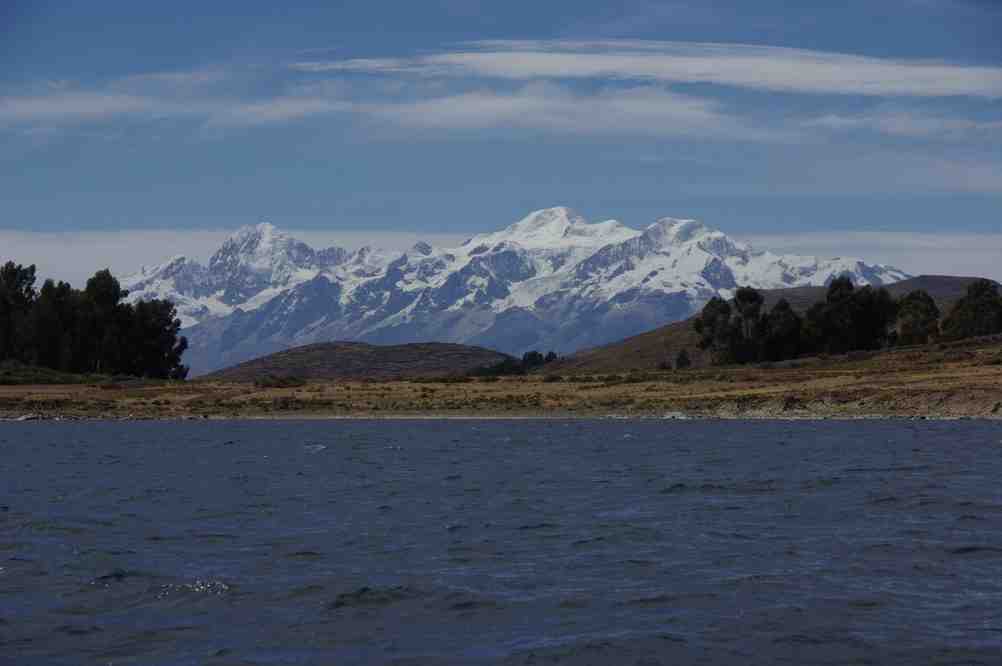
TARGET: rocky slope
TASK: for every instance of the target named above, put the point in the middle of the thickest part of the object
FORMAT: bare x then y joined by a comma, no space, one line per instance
549,281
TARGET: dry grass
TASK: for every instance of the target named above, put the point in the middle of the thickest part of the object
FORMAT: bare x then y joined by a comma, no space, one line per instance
962,380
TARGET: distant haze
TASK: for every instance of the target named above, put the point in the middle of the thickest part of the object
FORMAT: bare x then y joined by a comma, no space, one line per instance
74,256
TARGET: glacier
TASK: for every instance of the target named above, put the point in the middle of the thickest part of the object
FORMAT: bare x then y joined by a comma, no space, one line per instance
552,280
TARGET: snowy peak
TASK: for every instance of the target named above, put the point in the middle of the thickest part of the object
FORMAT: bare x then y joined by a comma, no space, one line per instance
672,231
551,280
261,249
261,257
556,229
176,275
550,223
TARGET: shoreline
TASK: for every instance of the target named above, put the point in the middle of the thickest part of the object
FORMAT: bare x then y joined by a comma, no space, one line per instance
932,383
59,418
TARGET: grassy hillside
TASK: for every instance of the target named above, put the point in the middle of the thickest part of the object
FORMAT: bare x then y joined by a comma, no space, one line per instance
362,361
647,350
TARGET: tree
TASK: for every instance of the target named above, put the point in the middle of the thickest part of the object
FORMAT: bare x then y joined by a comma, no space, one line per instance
716,331
550,357
746,344
979,312
748,303
17,294
104,291
92,330
850,319
156,349
45,328
918,319
830,323
782,333
840,289
532,359
874,313
682,360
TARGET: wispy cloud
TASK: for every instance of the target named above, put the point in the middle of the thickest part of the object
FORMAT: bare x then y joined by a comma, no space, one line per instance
947,114
908,124
275,110
74,105
214,110
745,66
178,80
646,110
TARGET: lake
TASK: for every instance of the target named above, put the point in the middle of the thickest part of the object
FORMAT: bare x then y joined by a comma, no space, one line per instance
501,542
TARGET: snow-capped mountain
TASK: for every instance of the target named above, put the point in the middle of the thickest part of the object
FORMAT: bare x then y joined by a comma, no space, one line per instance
549,281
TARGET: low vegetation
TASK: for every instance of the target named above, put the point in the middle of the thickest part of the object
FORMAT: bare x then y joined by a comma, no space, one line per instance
14,373
530,361
274,381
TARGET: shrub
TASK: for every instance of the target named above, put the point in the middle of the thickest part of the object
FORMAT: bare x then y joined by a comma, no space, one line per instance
277,381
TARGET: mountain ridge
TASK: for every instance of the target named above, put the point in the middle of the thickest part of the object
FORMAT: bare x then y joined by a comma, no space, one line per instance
551,280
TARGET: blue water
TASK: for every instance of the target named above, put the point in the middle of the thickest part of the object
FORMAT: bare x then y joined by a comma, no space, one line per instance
486,542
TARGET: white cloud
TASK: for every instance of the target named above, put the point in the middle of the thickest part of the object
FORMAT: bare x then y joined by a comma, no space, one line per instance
758,67
72,105
641,110
908,124
969,255
276,110
75,107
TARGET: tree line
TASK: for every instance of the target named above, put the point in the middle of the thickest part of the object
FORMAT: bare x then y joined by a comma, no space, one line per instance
87,331
531,360
849,319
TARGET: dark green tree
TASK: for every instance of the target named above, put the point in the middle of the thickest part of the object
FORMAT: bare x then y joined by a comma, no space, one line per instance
682,360
830,322
782,333
918,319
156,348
87,331
747,342
17,294
533,359
717,333
979,312
850,319
874,314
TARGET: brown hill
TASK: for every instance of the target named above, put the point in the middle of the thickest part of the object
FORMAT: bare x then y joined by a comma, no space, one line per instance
362,361
648,350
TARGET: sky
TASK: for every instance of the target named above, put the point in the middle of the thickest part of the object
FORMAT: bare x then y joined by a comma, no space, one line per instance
130,132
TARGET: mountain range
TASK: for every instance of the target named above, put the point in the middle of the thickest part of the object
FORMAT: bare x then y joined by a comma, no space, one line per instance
552,281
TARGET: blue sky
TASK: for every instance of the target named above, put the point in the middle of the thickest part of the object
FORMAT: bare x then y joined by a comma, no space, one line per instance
856,129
